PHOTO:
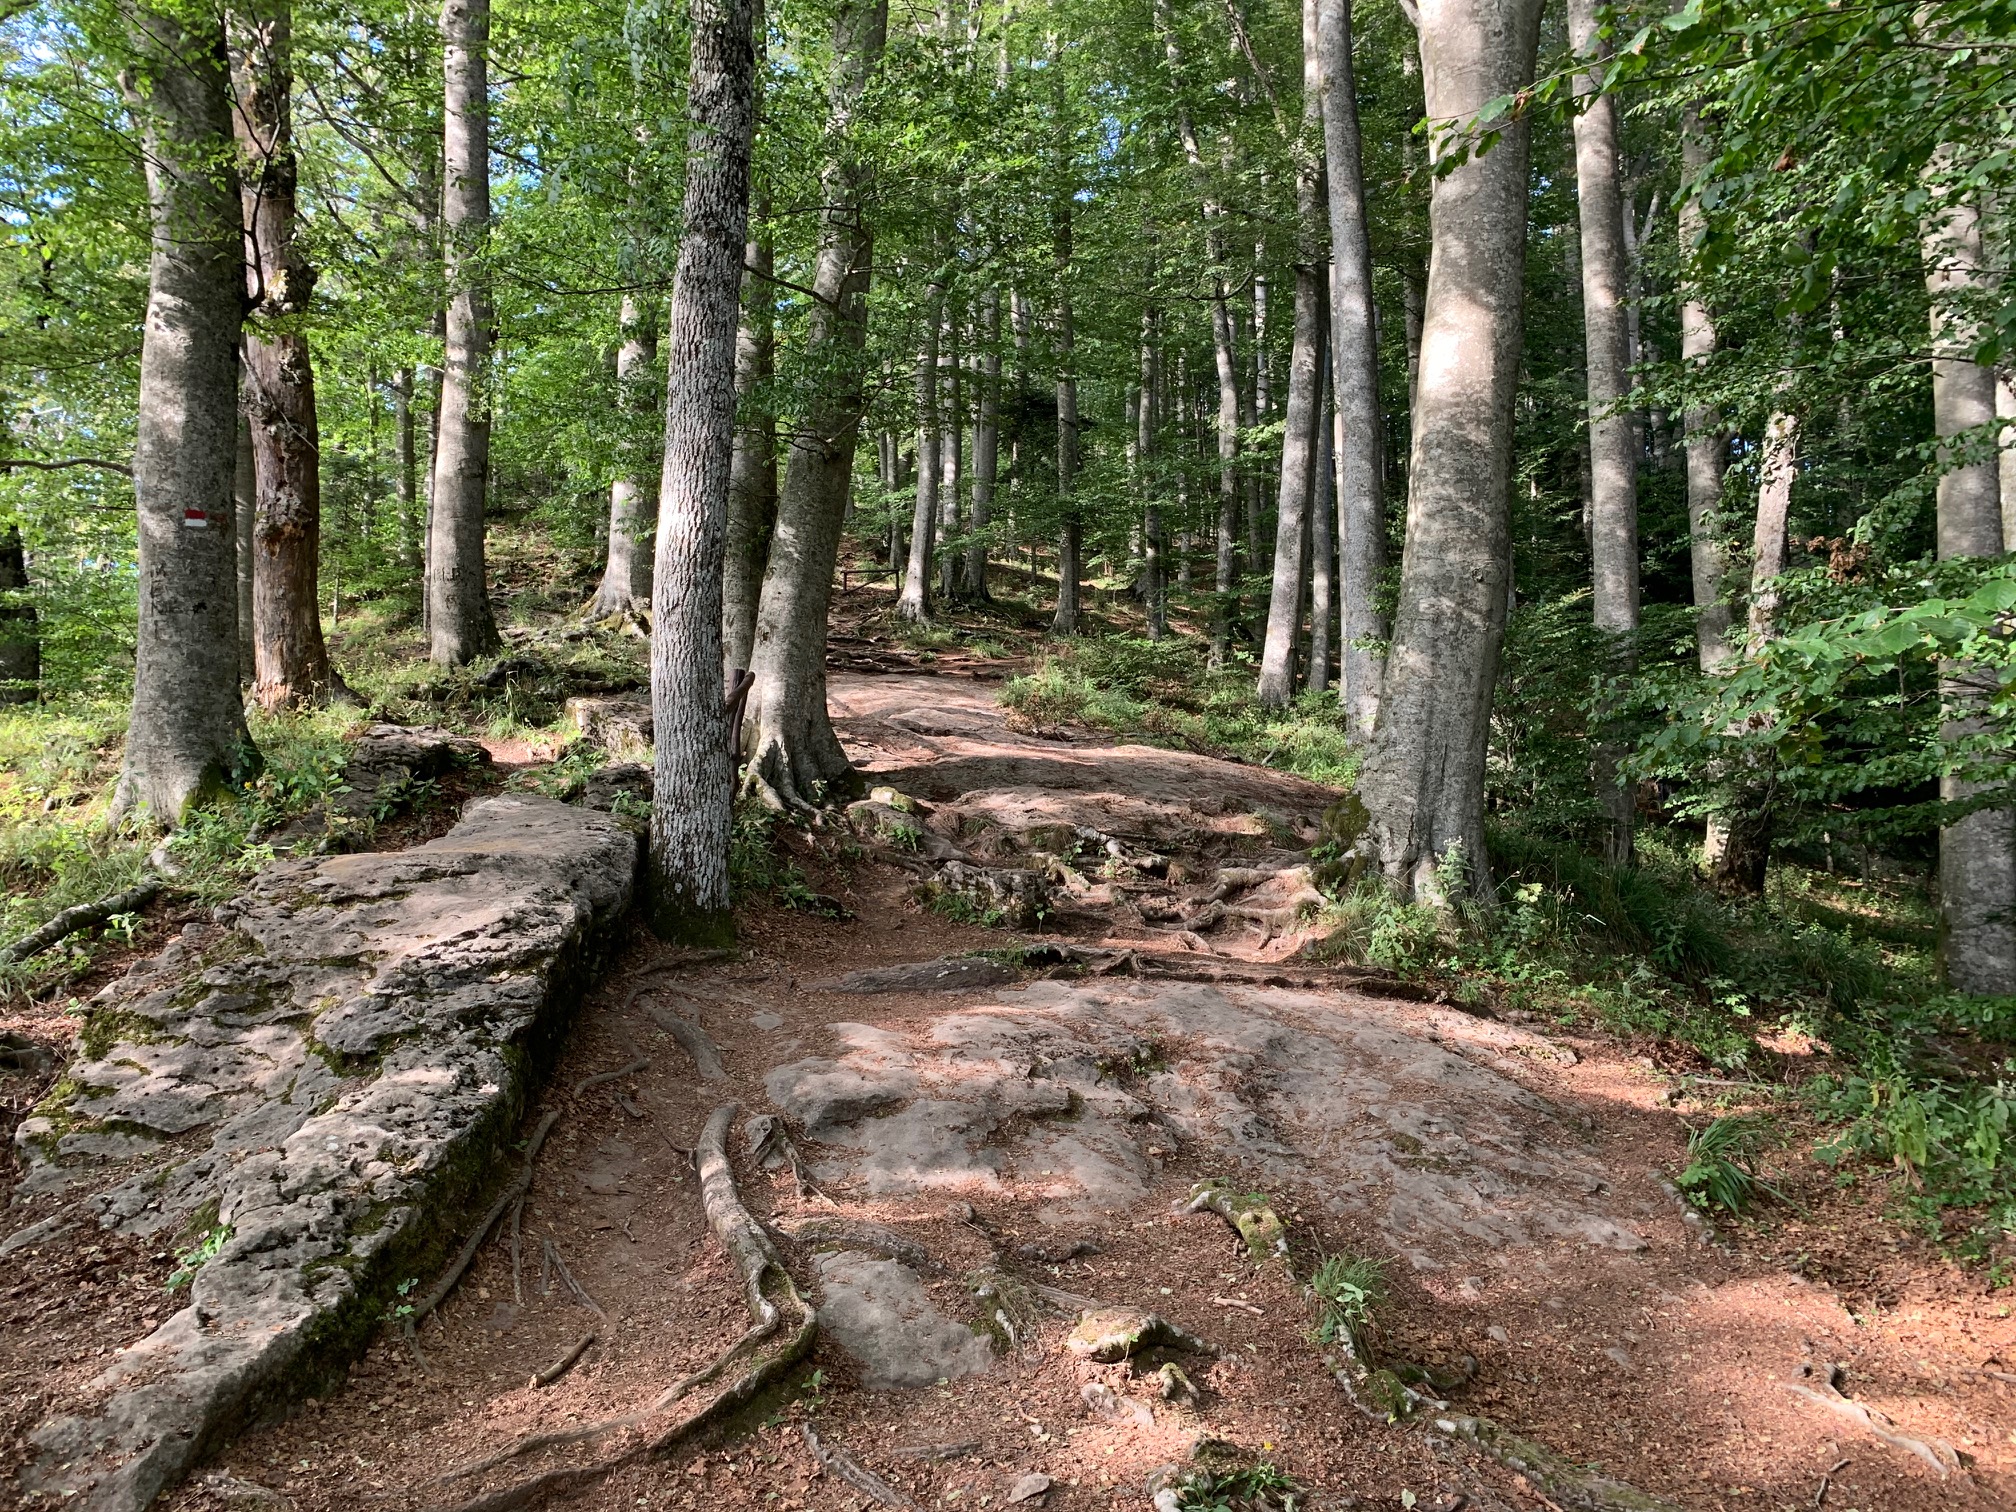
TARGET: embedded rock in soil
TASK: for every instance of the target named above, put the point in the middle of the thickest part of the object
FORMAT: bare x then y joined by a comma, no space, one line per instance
317,1082
384,771
603,789
614,724
1072,1094
944,975
880,1313
995,894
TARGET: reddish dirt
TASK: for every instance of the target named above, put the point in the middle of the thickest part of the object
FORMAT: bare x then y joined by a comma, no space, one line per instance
1664,1366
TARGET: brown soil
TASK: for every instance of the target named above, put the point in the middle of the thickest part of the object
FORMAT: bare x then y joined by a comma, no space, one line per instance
1665,1365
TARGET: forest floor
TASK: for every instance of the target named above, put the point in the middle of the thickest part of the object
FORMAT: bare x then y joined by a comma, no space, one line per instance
1507,1174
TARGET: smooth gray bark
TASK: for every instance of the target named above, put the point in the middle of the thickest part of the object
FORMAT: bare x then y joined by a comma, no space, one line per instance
1322,539
625,589
693,778
244,509
405,471
752,483
1777,471
1977,853
459,623
794,752
1154,544
1354,365
951,433
186,737
914,603
986,444
1613,439
1071,533
1707,438
1423,778
2005,410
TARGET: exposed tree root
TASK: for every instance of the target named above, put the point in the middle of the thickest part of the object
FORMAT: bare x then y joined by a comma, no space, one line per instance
1818,1384
1251,1218
510,1196
565,1363
850,1470
763,1278
83,916
642,1063
691,1038
771,1145
1553,1477
580,1295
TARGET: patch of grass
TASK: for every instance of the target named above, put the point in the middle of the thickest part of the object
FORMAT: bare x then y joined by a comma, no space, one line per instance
1349,1290
758,863
198,1255
1721,1170
1260,1487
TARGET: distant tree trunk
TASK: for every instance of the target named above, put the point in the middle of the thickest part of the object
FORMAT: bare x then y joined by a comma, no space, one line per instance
1707,440
20,644
986,445
1354,365
1071,535
1154,543
405,480
290,660
186,737
951,432
2005,409
1613,441
459,622
244,512
693,781
1299,443
1977,853
914,603
1322,537
1423,777
1777,472
794,752
752,487
625,588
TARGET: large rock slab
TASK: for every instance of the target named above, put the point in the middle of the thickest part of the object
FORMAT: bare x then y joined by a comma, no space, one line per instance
880,1313
318,1083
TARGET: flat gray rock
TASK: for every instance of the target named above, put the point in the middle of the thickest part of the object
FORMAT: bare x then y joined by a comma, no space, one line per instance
947,974
329,1069
880,1313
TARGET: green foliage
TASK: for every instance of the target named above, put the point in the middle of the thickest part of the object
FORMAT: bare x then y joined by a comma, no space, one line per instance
198,1255
1721,1169
759,865
1260,1487
1349,1291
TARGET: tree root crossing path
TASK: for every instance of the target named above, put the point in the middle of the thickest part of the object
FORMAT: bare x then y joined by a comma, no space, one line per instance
1001,1176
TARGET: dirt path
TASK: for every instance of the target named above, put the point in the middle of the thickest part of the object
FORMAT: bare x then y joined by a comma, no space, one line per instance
1051,1128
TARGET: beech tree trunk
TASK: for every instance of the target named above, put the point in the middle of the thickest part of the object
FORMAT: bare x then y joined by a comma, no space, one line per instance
752,484
1423,777
1322,536
244,510
1613,440
186,737
460,626
1071,533
951,433
20,645
1977,853
986,445
914,603
1154,545
693,777
1707,440
405,479
794,752
290,659
625,588
1354,366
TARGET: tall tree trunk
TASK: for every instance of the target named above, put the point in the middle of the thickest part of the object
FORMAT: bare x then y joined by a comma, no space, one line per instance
625,589
244,512
405,479
20,644
986,445
1299,443
1155,546
794,752
290,659
1613,441
914,603
1071,533
459,623
1707,439
951,432
693,777
1423,778
752,486
1354,365
186,737
1777,471
1977,853
1323,536
2005,410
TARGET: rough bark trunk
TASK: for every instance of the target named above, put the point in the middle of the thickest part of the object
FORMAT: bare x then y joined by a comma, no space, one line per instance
693,780
20,645
187,734
794,752
405,479
625,589
290,660
1155,550
1071,533
752,484
986,445
951,432
460,626
1423,778
2005,410
244,510
914,603
1323,536
1354,359
1777,472
1613,441
1977,853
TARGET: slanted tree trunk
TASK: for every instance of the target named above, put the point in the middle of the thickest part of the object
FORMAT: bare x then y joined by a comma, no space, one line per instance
794,752
1323,537
752,487
914,603
1613,441
1354,364
187,735
693,777
244,511
1303,420
625,589
20,645
290,660
459,623
986,445
1423,778
1977,852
